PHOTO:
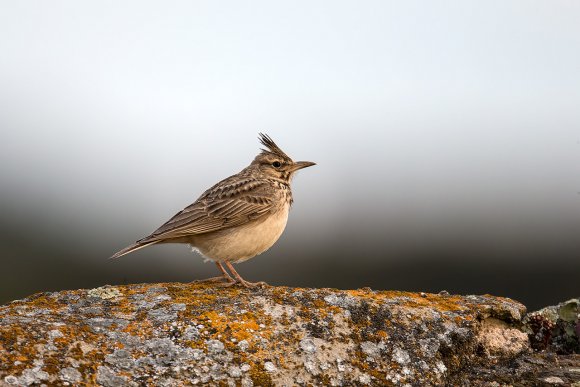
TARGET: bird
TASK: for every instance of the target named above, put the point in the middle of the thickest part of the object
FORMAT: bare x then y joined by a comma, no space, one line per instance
238,218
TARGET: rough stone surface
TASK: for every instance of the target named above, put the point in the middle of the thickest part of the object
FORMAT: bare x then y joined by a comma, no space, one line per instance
192,334
555,328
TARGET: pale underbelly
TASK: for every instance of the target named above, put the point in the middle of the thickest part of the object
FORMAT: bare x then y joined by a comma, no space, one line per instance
238,244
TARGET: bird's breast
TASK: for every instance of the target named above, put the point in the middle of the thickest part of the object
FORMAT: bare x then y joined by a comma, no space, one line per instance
238,244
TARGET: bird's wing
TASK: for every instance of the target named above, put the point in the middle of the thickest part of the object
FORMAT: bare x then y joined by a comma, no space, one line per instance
232,202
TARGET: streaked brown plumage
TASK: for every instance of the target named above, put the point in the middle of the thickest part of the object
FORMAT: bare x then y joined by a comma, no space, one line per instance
239,217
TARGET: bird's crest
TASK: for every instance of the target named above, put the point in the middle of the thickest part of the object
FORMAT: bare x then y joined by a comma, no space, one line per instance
271,146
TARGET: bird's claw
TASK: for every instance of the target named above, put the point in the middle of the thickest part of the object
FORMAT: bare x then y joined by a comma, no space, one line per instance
215,280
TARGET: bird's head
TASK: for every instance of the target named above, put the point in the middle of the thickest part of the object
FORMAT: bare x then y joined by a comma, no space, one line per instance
273,162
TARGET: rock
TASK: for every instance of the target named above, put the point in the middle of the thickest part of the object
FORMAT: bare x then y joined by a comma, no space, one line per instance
498,338
174,334
555,328
308,346
270,367
554,380
104,292
70,374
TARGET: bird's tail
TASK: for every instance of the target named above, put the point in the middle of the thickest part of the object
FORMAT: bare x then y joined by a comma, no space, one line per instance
134,247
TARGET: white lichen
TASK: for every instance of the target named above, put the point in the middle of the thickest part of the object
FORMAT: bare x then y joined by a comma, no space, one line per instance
104,292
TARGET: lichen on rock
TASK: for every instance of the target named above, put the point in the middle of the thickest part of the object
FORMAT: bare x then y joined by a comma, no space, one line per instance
104,292
173,334
556,328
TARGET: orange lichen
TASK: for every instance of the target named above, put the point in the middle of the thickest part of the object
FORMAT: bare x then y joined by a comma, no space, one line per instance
382,334
239,328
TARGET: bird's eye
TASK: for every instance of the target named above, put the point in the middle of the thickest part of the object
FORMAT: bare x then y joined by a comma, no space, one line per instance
276,164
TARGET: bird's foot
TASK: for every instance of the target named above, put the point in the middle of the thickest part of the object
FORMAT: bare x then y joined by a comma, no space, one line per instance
239,280
222,278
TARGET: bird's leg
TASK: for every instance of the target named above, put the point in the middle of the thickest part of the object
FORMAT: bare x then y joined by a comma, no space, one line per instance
224,277
242,281
225,274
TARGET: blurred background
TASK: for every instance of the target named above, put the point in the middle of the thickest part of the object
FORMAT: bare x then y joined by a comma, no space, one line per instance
447,137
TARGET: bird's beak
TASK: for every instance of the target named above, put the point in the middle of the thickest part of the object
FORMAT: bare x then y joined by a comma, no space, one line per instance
302,164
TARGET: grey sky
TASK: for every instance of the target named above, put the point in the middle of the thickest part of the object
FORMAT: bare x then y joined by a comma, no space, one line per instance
115,115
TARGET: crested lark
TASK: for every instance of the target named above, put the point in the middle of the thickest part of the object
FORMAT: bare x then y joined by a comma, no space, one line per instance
238,218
